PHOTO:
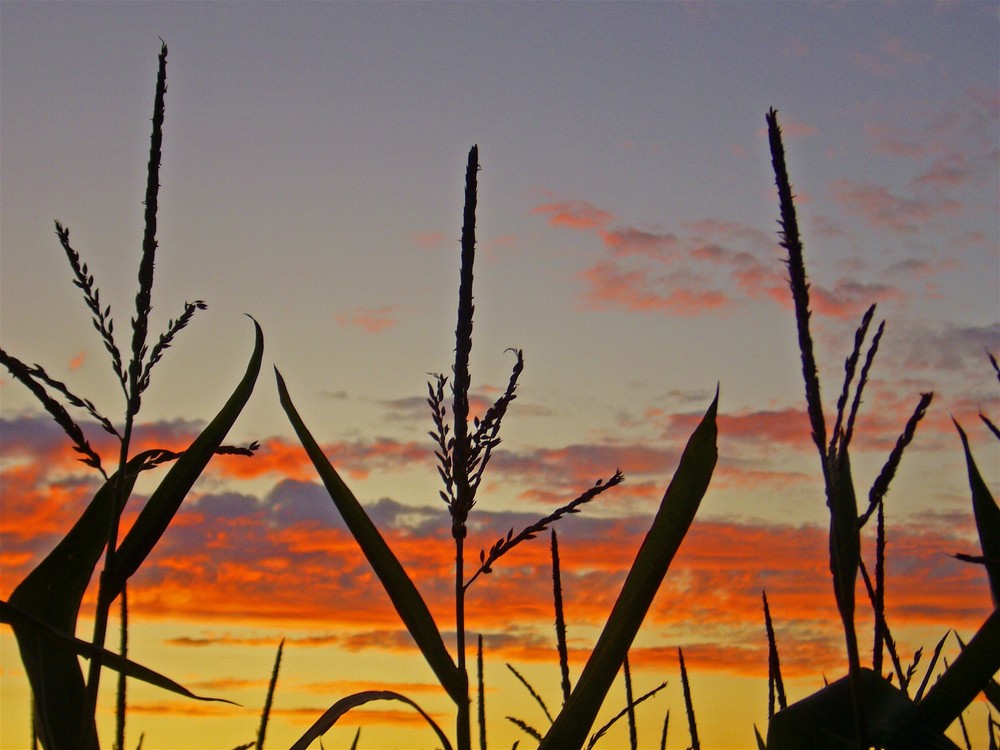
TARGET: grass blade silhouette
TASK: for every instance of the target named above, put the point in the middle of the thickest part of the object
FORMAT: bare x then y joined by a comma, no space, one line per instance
341,707
672,520
402,592
984,507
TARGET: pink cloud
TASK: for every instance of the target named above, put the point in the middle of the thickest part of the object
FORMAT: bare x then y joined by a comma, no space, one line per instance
609,286
884,210
371,320
428,240
893,54
575,215
631,241
848,299
950,171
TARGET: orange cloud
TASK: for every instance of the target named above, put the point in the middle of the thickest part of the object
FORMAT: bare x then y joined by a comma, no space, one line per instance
287,558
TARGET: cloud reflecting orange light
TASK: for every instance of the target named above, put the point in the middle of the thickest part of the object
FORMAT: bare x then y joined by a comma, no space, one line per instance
285,557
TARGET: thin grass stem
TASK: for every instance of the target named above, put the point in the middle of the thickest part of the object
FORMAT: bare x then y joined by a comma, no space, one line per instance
849,369
596,736
862,381
630,706
881,484
482,693
505,544
532,692
688,705
526,728
265,713
878,604
120,698
561,644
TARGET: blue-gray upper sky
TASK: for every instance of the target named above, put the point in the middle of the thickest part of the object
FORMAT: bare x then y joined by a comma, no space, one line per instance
312,177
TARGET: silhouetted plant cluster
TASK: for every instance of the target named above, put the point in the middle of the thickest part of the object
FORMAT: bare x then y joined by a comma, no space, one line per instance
862,710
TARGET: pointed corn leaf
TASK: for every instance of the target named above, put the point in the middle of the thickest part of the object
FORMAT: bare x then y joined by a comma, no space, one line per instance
52,638
672,520
51,594
984,506
760,740
825,719
970,673
341,707
845,538
159,510
402,592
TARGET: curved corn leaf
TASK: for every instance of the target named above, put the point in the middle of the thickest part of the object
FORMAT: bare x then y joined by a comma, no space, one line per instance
51,594
341,707
53,638
962,681
984,506
159,510
672,520
405,597
825,719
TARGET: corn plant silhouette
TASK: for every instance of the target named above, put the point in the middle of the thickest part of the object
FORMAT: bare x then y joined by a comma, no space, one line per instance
864,708
463,453
43,608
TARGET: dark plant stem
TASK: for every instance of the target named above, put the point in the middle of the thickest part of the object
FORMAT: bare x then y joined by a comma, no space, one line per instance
105,589
265,713
560,619
123,650
840,498
482,694
879,604
688,704
105,595
633,735
463,728
464,499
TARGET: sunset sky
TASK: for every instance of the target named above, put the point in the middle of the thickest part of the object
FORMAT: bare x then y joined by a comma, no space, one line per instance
313,169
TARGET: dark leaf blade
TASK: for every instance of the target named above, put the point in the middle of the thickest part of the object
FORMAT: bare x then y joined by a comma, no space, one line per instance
51,594
402,592
53,638
672,520
341,707
963,680
159,510
987,514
